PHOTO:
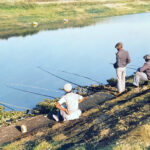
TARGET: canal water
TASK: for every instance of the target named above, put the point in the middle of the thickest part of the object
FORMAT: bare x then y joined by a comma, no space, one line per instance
87,51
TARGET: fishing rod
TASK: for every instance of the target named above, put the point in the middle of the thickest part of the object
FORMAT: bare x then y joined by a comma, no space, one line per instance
34,87
135,66
15,106
7,106
58,77
30,92
127,67
80,76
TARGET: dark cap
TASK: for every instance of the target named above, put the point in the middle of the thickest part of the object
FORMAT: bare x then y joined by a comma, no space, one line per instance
119,44
147,57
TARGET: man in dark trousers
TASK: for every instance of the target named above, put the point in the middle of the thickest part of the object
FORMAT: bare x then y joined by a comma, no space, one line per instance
122,59
143,74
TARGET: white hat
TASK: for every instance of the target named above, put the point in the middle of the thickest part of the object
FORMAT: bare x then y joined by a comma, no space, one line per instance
68,87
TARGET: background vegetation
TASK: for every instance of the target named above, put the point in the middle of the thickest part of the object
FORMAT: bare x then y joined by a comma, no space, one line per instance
17,17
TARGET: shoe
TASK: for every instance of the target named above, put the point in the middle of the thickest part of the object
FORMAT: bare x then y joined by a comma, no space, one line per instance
135,85
55,118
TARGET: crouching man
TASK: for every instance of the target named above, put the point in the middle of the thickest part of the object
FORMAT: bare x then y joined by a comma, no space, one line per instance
143,74
69,105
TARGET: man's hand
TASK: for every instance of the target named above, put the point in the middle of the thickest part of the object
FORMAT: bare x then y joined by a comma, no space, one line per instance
115,65
66,111
62,108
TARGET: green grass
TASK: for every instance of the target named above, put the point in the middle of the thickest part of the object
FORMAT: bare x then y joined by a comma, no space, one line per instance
10,116
17,18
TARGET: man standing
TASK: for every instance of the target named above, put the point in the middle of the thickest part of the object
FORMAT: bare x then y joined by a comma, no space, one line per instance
143,73
122,59
69,104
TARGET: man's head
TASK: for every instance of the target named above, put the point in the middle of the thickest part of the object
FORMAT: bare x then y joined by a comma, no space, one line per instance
119,46
147,57
68,87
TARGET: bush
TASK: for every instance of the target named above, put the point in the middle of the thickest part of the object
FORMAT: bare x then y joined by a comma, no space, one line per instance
45,107
112,82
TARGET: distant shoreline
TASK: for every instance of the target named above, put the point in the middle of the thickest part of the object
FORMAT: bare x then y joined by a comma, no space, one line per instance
17,18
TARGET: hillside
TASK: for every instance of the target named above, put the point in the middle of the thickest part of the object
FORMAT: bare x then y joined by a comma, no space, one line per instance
109,121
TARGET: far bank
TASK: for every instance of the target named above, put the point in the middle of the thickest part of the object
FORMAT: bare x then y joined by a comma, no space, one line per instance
17,18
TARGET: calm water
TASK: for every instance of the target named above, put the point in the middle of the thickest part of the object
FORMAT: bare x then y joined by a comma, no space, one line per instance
87,51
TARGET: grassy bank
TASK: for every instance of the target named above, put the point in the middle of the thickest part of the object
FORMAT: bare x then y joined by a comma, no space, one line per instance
121,123
17,18
8,117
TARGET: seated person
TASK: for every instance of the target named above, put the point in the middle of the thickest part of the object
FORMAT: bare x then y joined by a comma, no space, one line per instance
70,110
143,74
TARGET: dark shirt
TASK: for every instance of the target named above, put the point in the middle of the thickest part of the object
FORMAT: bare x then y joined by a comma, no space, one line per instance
122,58
146,69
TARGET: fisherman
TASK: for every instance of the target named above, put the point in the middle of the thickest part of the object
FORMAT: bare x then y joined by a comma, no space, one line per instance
143,73
122,59
69,104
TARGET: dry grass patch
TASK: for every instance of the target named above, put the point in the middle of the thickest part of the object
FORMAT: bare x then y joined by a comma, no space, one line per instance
104,133
138,139
91,111
59,137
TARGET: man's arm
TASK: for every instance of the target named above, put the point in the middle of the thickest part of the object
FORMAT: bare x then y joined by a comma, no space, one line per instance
81,100
61,108
128,58
144,68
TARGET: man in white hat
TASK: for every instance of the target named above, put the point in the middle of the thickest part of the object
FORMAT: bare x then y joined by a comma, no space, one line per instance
143,74
69,104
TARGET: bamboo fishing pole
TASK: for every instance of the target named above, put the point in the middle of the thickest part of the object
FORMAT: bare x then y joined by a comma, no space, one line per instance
58,76
127,67
7,106
31,92
75,74
135,66
34,87
15,106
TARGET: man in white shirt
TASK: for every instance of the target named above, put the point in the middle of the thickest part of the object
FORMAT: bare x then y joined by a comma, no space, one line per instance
69,104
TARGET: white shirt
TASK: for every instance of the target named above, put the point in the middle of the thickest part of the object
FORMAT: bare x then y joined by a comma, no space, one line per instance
72,101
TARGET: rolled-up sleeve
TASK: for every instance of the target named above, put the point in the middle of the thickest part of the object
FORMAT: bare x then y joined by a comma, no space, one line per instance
62,100
80,97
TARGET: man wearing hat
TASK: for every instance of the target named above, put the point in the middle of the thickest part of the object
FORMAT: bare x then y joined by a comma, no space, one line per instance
69,104
122,59
143,74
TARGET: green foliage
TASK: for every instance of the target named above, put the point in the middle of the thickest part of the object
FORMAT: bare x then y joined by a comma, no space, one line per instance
12,147
25,6
47,106
43,146
97,10
17,18
112,82
1,109
10,116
